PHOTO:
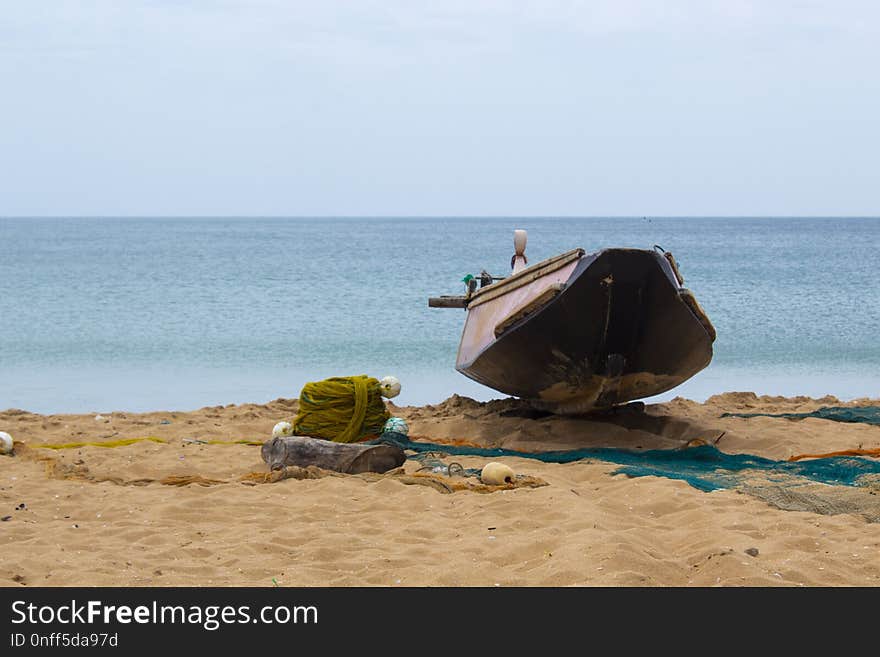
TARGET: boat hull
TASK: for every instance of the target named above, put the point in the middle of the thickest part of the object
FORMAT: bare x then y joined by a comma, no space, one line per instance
587,332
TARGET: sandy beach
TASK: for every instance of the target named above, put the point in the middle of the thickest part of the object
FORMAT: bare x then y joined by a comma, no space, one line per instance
178,512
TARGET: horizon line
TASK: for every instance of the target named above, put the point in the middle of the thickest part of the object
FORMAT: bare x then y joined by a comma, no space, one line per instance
440,216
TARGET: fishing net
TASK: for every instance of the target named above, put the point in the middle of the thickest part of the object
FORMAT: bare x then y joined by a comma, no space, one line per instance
704,467
857,414
343,409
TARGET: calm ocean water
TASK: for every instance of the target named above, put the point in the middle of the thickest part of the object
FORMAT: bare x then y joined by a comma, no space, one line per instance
142,314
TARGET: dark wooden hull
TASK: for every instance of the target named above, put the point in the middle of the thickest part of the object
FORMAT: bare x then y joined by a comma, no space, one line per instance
611,327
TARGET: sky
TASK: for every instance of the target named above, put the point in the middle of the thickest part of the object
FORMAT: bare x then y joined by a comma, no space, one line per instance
453,107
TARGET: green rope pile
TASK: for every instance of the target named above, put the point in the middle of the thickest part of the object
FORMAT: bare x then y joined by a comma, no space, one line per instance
343,409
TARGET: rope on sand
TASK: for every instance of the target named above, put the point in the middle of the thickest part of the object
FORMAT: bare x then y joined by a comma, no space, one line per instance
843,452
110,443
131,441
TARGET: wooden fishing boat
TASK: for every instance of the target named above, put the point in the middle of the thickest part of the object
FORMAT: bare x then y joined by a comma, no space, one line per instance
582,331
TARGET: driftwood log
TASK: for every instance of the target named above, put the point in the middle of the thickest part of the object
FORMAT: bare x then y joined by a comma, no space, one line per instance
350,458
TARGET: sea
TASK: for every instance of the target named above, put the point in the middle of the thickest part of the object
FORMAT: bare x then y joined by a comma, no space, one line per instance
138,314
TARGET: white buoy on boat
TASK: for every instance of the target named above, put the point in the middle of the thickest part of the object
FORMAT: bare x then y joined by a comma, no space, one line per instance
282,430
520,261
5,443
497,474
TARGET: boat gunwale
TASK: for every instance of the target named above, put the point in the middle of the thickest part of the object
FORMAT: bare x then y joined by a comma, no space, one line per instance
524,277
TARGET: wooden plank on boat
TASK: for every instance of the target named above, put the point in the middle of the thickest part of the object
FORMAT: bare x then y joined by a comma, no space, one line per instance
529,307
448,302
524,277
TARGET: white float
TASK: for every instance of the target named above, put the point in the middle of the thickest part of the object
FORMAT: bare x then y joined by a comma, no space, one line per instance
5,443
282,430
389,386
520,261
497,474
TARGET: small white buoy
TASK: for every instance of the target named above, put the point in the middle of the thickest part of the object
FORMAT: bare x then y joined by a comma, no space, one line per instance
497,474
5,443
389,386
282,430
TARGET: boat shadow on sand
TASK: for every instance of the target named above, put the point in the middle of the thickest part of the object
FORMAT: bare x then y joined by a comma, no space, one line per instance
631,417
516,424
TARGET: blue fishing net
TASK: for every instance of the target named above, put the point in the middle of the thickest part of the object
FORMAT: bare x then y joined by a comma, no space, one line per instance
859,414
704,467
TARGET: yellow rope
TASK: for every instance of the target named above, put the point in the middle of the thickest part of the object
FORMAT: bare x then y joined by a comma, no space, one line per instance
110,443
353,429
343,409
131,441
